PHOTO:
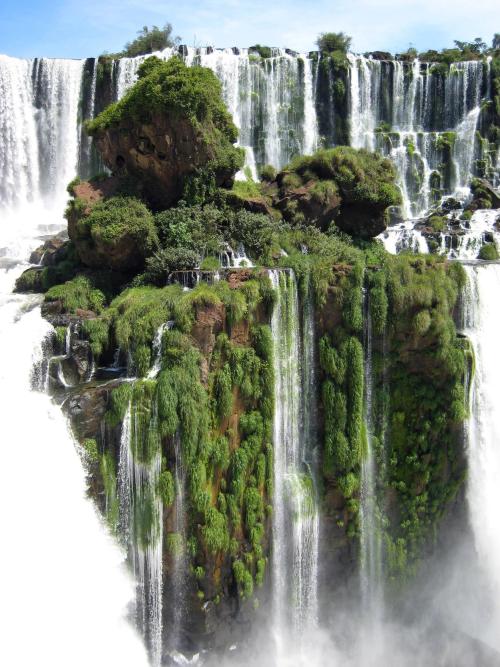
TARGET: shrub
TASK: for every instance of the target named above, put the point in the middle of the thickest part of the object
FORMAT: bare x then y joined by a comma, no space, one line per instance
91,451
149,40
263,51
174,88
268,173
114,221
77,294
164,261
243,578
329,42
215,531
488,252
437,223
166,488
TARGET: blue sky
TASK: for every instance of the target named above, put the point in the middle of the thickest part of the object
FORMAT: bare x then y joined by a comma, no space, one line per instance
80,28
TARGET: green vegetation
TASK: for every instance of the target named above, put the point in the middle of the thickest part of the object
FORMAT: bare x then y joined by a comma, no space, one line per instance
77,294
149,40
488,252
361,176
330,42
262,51
170,87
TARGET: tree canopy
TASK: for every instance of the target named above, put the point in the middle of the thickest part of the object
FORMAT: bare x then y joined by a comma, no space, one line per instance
149,40
328,42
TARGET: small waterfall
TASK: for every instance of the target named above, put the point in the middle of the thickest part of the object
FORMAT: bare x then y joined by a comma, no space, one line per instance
141,520
158,348
481,324
180,570
310,455
371,544
295,518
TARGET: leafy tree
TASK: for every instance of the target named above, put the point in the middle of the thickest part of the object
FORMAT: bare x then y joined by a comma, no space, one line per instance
149,40
496,41
477,46
328,42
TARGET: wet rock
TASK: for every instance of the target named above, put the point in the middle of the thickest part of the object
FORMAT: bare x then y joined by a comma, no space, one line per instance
86,407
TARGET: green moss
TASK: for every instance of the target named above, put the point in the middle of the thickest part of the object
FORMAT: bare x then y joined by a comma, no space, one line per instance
97,331
77,294
243,579
166,488
175,544
91,452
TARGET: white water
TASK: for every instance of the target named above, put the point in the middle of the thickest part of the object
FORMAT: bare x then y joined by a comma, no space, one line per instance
138,499
481,324
464,243
414,139
158,348
295,517
371,546
260,96
65,590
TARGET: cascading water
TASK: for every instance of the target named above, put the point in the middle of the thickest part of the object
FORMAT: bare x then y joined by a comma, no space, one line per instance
295,517
400,110
371,544
481,323
73,583
141,519
271,100
157,348
179,556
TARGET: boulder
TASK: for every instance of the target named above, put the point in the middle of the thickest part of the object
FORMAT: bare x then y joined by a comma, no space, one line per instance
170,128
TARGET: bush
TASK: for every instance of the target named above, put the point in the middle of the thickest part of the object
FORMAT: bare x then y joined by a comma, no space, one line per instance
488,252
91,451
171,87
167,488
77,294
437,223
149,40
328,42
111,220
362,177
263,51
268,173
163,262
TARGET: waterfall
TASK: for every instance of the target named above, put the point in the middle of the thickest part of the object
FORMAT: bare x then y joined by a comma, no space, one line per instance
271,100
180,570
371,544
67,597
480,320
158,348
295,516
38,128
398,114
310,451
141,520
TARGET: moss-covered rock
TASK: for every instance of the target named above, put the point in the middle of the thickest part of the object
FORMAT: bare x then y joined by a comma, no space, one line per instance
350,187
116,233
168,127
